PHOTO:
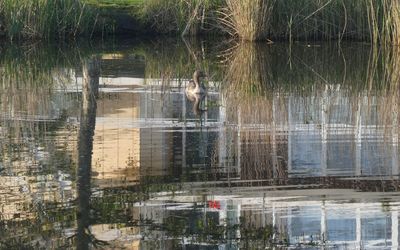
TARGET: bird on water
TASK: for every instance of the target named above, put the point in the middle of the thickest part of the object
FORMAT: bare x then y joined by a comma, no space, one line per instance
195,92
195,86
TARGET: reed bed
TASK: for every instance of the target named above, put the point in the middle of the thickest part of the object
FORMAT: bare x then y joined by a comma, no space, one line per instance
47,19
366,20
185,17
248,19
316,20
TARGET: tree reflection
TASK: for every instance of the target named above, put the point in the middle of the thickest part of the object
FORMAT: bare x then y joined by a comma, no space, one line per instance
91,74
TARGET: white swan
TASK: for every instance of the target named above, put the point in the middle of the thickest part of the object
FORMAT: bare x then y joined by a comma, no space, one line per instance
194,86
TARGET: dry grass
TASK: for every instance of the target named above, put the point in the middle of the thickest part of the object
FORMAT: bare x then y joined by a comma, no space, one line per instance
248,19
367,20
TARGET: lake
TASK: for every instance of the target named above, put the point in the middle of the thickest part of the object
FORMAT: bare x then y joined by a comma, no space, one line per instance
293,146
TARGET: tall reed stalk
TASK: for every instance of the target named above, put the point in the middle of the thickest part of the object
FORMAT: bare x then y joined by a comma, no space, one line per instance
393,22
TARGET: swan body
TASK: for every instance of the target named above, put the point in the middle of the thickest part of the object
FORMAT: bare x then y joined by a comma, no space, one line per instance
195,92
194,86
196,99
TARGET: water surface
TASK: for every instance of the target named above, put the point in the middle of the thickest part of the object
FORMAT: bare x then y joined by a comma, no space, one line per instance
293,146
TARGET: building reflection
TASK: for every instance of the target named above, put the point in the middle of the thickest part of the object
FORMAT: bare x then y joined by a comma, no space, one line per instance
316,141
356,225
307,142
280,168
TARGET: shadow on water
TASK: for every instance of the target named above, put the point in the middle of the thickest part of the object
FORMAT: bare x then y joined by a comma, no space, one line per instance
101,148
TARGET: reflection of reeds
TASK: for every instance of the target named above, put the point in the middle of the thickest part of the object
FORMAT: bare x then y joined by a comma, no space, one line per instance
170,60
387,103
259,77
263,155
267,92
27,78
166,61
247,81
250,101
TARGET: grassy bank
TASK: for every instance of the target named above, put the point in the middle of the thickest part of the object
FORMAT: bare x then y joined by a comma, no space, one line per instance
66,19
364,20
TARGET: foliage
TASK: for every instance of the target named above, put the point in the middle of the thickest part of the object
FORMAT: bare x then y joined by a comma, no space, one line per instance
248,19
186,17
47,19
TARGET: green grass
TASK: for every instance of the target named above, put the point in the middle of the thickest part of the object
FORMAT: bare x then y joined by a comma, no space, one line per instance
47,19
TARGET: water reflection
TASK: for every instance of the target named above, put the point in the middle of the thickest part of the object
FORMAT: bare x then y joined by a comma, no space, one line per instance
90,89
298,146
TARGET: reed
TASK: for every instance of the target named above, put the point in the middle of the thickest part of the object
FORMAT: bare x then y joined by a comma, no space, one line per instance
316,20
47,19
392,25
311,20
185,17
248,19
368,20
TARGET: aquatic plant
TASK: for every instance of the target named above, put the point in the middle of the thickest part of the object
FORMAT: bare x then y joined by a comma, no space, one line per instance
367,20
47,19
184,17
248,19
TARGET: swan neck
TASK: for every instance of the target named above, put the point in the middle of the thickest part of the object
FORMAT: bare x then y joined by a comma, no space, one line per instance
196,80
196,103
196,106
